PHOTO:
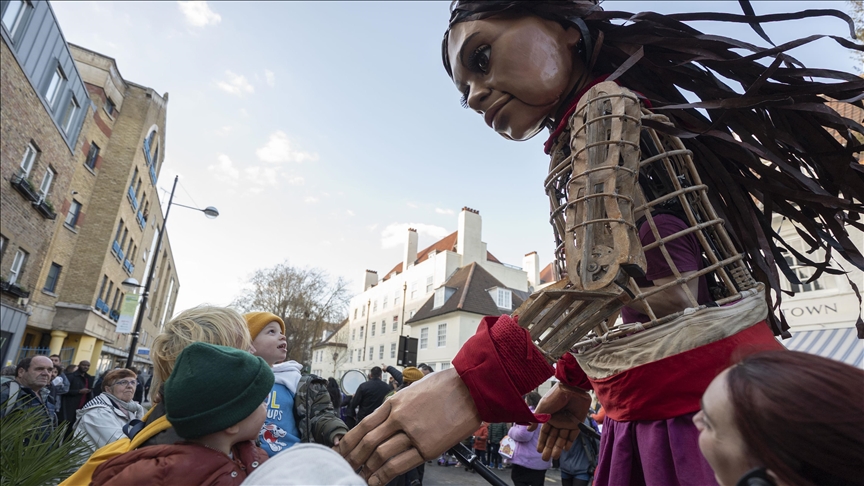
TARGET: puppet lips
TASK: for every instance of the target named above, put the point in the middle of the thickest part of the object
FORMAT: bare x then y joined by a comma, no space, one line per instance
493,110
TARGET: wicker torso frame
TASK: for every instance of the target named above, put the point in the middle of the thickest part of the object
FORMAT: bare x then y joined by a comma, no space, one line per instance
600,164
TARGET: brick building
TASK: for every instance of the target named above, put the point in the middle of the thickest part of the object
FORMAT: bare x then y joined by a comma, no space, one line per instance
108,220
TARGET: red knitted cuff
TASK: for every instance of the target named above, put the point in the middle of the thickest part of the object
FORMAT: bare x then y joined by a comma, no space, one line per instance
528,366
568,371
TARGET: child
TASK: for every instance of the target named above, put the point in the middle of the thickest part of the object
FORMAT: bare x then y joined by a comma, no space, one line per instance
213,399
294,397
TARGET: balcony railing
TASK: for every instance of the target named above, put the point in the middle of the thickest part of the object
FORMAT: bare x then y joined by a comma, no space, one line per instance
141,221
127,265
153,174
132,200
45,208
114,315
24,186
115,248
101,306
120,254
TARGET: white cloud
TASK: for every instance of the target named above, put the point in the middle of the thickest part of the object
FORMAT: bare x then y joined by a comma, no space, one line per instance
372,227
263,176
236,84
271,77
244,113
310,199
225,130
278,149
224,169
198,14
443,211
394,234
349,212
412,205
295,180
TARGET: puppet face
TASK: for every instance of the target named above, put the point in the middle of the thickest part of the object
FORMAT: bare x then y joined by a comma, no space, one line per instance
514,72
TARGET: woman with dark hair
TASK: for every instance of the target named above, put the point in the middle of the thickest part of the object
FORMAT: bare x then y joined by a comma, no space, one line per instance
789,418
610,87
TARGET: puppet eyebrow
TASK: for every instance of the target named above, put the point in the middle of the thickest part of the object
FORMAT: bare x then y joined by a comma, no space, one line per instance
464,46
702,404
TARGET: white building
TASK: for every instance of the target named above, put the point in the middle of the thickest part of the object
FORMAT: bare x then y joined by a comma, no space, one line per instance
822,314
329,354
377,316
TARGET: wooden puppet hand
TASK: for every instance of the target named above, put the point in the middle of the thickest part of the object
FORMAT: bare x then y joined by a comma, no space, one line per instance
568,407
417,424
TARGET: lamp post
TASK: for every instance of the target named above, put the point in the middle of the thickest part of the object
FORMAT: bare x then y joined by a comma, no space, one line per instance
211,213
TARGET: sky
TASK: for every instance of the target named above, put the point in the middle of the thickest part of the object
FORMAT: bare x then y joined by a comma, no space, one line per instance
323,130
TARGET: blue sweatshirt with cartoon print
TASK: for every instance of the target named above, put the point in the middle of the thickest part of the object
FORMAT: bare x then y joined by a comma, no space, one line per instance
280,428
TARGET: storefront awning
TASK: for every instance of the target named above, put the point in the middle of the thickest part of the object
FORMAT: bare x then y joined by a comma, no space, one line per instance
840,344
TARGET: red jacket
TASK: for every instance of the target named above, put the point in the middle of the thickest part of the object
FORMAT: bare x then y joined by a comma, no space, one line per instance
480,436
181,463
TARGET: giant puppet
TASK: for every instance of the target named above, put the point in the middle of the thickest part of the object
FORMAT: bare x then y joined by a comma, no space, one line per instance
662,213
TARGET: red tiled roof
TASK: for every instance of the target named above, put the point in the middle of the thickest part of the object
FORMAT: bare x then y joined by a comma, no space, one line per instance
448,243
547,274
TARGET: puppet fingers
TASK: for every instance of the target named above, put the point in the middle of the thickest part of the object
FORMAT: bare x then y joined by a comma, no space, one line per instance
359,443
547,447
394,467
394,446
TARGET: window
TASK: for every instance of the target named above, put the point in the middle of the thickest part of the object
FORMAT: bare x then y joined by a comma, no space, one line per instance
375,305
4,242
29,159
424,338
129,249
53,276
355,313
353,334
69,116
411,313
414,289
392,350
372,329
383,327
381,352
395,323
351,357
123,240
361,332
397,298
371,353
72,215
102,287
502,297
804,273
442,334
428,284
116,297
92,155
17,266
109,106
14,15
363,311
438,299
359,358
444,366
384,302
119,231
47,179
57,79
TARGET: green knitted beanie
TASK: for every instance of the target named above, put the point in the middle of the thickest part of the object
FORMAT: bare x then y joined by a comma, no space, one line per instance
214,387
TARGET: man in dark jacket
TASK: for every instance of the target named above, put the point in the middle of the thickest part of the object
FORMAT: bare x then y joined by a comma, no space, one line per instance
80,392
370,395
28,389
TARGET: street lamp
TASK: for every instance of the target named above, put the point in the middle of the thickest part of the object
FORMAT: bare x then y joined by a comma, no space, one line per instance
211,213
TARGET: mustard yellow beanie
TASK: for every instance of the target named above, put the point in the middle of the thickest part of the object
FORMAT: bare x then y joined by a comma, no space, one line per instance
256,321
411,374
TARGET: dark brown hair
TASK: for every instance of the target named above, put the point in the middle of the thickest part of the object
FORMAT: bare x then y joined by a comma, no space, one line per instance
766,146
801,416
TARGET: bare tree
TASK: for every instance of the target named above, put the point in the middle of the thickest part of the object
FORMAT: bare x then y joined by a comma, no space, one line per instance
306,299
857,14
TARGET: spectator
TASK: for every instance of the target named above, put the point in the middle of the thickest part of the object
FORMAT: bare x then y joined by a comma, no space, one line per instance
147,387
579,462
370,395
529,468
28,389
299,408
101,420
61,383
335,394
497,432
426,369
765,418
8,372
219,415
51,395
481,435
80,392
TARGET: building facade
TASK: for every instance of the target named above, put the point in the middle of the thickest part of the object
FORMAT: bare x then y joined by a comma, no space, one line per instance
108,217
331,353
382,312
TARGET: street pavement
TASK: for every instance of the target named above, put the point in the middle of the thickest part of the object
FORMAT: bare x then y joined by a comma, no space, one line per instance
439,475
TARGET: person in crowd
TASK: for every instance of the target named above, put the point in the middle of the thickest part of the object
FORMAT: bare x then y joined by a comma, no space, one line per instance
97,387
101,420
72,368
28,390
335,395
426,369
579,462
52,393
61,382
218,416
481,436
497,431
305,464
763,422
598,417
147,386
80,392
349,413
206,324
138,395
370,395
529,468
7,372
299,408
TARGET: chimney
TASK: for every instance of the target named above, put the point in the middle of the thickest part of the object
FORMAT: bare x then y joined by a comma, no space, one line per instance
468,243
531,266
370,279
410,249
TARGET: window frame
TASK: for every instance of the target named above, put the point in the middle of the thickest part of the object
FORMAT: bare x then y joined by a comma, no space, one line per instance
31,153
93,155
75,212
392,350
52,91
109,103
70,114
52,280
19,19
19,262
442,325
424,338
50,174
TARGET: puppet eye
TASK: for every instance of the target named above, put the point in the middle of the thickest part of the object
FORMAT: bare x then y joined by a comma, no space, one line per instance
479,60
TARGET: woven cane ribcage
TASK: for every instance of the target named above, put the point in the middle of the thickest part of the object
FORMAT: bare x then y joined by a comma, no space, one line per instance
608,172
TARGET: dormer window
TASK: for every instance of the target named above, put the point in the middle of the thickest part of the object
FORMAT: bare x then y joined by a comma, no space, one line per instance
503,297
441,296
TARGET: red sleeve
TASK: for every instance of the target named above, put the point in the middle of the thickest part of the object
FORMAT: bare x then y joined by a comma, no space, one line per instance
499,364
568,371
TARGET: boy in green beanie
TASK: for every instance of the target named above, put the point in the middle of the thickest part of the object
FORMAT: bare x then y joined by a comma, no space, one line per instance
218,415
